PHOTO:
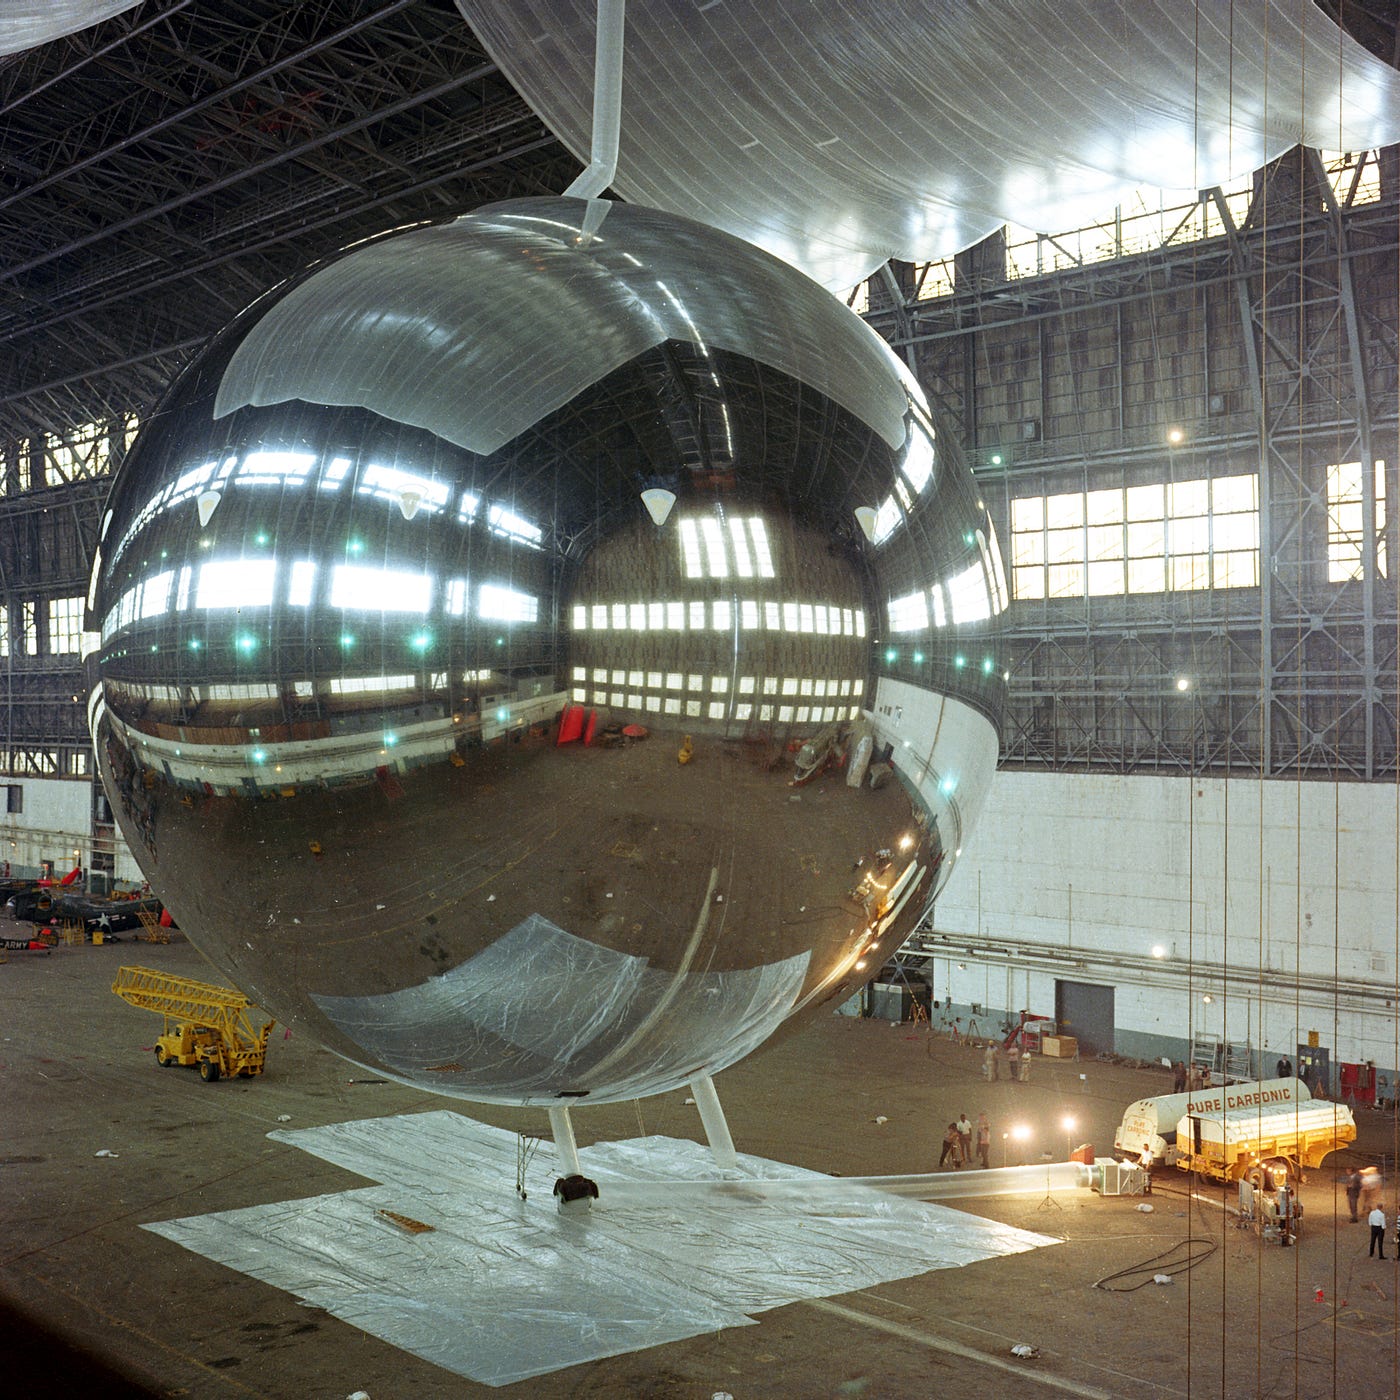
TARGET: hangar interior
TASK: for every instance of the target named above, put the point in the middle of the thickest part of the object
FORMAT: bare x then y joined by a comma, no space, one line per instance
1181,418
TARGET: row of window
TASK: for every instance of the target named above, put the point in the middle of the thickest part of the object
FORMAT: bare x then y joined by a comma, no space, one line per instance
1170,536
739,710
75,454
190,696
411,492
65,635
720,615
254,583
804,686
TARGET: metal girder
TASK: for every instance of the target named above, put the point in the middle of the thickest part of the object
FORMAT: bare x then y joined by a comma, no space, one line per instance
156,174
1297,675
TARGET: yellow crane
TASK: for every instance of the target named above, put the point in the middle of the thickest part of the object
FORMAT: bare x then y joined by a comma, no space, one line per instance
205,1025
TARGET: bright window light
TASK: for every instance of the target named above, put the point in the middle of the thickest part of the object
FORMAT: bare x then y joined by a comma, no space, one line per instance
789,685
580,618
886,519
940,612
772,616
746,684
275,468
716,709
909,613
675,617
579,673
656,616
505,522
236,583
748,614
301,583
743,561
501,604
155,594
455,599
619,617
713,538
848,623
918,460
790,617
363,588
689,533
336,471
600,617
722,615
804,618
763,556
363,685
654,680
697,616
967,593
390,484
675,681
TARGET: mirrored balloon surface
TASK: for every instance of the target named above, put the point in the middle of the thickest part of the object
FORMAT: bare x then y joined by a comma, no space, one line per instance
544,653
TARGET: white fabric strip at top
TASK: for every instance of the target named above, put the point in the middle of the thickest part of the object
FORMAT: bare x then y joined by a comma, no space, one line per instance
839,135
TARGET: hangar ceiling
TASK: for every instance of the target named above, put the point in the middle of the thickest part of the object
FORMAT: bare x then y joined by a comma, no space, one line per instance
161,169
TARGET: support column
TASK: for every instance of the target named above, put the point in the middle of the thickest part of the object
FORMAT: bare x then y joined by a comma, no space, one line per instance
712,1118
565,1147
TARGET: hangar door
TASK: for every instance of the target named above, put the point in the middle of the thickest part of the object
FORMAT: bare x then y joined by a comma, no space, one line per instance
1085,1011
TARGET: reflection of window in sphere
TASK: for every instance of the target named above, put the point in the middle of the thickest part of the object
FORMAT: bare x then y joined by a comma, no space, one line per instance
544,666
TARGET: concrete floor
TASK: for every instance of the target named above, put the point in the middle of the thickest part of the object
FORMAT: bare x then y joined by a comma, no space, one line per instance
91,1304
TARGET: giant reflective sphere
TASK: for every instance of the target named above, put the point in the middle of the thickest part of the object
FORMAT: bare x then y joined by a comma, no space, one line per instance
546,652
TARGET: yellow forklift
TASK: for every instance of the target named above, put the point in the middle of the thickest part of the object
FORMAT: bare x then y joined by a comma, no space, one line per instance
205,1025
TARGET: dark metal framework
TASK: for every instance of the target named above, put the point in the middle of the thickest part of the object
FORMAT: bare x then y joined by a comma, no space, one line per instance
1271,348
157,173
161,170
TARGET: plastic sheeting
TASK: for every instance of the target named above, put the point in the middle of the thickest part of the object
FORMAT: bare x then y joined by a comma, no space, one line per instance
541,1005
503,1289
24,24
479,329
839,135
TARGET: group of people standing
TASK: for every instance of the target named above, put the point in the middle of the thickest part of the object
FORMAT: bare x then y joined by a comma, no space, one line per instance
1018,1062
957,1141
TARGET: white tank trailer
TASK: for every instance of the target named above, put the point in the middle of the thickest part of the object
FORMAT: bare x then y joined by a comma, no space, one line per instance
1243,1143
1153,1122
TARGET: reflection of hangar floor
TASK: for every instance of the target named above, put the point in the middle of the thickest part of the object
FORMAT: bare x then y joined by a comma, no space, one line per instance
78,1078
717,868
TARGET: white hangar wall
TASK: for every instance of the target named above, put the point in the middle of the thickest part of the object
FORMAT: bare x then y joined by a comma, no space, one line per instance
1254,911
49,819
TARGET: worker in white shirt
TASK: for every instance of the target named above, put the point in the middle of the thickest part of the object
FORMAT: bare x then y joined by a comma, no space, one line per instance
1377,1218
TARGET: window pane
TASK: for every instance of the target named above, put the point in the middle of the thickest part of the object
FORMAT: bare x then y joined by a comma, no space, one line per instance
1028,513
1189,536
1147,575
1103,507
1147,502
1106,578
1187,498
1066,580
1061,511
1065,546
1146,539
1029,583
1105,541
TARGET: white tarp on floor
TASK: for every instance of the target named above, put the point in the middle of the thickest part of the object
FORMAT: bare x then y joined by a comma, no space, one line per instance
502,1288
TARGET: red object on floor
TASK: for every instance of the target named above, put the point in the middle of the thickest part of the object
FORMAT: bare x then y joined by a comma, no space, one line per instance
590,727
570,724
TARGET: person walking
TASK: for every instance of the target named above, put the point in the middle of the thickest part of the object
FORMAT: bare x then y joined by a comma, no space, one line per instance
1145,1161
1178,1078
1377,1219
989,1062
964,1127
952,1147
984,1141
1353,1193
1023,1072
1013,1055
